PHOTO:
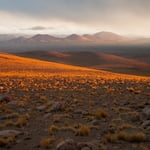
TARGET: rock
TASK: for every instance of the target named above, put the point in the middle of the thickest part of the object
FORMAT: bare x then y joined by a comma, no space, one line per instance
146,111
58,106
78,111
9,133
48,115
68,144
94,122
102,147
146,123
27,138
41,108
124,103
4,99
13,103
85,148
135,118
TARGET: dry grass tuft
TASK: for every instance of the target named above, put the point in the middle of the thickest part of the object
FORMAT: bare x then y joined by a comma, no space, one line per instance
46,142
21,122
129,137
134,137
7,123
143,147
83,130
52,129
111,137
127,126
6,141
12,115
100,113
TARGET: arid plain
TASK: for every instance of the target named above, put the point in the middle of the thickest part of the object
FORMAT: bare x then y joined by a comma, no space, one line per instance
47,105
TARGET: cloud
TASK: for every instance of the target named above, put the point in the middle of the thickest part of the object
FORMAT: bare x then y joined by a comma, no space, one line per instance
40,28
116,15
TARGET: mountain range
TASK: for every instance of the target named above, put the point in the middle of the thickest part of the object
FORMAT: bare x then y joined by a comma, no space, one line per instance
47,42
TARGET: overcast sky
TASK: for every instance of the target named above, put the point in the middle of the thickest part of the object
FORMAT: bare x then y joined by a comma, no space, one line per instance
127,17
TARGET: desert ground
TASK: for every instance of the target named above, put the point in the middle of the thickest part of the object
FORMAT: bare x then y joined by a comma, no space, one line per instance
47,105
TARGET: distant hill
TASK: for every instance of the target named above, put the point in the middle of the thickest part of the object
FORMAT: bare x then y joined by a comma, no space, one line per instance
95,60
5,37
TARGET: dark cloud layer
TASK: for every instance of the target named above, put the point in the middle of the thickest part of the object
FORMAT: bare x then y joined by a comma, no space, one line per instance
78,10
114,13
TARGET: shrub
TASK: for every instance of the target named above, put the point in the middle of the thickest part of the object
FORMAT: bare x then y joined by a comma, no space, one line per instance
46,142
83,130
6,141
134,137
129,137
52,129
100,113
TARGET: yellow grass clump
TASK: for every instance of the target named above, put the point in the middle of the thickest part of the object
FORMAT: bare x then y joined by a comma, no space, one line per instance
46,142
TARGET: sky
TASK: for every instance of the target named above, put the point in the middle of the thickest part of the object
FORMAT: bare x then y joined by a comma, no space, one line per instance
61,17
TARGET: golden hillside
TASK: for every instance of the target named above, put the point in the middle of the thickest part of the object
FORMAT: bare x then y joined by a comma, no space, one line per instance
11,65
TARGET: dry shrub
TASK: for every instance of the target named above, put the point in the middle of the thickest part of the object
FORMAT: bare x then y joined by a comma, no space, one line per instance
100,113
129,137
111,137
52,129
46,142
83,130
6,141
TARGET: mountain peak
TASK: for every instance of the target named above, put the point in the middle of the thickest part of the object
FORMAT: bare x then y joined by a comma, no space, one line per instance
109,36
77,37
73,36
106,33
37,36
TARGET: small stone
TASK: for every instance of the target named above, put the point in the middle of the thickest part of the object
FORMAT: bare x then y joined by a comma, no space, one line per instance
9,133
85,148
146,111
78,111
27,138
41,108
4,99
13,103
68,144
94,122
47,115
58,106
135,118
146,123
82,145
